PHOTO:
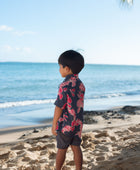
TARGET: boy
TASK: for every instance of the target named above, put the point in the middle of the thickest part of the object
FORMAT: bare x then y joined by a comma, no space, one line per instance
68,114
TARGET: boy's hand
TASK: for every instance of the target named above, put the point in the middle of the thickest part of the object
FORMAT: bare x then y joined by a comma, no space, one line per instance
57,114
54,130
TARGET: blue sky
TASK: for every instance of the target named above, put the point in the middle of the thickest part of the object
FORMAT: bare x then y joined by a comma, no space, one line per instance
39,31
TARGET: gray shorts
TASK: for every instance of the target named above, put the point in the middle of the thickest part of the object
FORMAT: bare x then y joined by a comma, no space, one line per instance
64,141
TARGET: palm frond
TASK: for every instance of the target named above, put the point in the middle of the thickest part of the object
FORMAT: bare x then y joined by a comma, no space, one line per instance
128,2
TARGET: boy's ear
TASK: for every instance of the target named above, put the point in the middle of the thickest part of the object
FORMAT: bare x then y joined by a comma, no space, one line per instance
68,69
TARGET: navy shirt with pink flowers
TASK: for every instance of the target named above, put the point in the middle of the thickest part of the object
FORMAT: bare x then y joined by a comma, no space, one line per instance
71,100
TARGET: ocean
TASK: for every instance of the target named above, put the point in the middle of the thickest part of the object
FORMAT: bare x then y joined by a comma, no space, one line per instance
28,90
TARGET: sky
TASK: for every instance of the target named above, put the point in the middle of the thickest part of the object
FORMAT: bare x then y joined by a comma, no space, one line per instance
104,32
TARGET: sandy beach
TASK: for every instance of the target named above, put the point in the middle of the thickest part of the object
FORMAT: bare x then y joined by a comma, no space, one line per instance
110,141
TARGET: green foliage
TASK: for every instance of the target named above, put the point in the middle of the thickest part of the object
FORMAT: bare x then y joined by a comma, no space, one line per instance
128,2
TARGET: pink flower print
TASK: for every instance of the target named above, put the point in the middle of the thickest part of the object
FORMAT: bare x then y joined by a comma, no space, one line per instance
78,134
57,127
65,89
79,122
65,83
78,110
68,106
60,90
67,129
72,92
60,93
64,106
73,81
69,99
76,75
80,105
60,96
81,87
61,119
72,112
65,117
80,96
73,123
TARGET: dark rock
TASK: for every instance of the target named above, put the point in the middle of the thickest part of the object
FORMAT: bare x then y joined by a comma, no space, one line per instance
22,137
35,130
106,117
93,113
129,109
89,120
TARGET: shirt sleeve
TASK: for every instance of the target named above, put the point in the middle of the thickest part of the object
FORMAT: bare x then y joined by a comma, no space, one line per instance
61,100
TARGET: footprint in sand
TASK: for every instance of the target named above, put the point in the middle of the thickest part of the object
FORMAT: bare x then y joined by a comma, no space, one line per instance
134,129
100,158
66,167
50,145
38,147
21,146
101,134
4,154
29,156
87,141
52,155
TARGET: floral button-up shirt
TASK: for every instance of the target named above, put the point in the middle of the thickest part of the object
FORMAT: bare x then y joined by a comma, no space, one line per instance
71,100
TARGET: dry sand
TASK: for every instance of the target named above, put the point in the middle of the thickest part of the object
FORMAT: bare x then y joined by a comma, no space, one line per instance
111,142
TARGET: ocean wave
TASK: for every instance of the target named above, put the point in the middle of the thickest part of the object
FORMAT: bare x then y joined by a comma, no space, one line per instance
110,95
135,92
25,103
37,102
107,96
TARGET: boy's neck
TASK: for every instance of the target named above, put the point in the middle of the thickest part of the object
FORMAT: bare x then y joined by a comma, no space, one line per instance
69,74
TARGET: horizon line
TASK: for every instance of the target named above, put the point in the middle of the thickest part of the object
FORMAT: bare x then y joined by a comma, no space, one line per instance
34,62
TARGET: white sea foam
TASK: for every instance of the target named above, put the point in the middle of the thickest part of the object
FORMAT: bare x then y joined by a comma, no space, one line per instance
112,95
36,102
25,103
108,95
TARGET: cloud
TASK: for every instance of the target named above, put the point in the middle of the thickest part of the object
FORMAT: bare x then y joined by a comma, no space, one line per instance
5,28
23,49
21,33
27,49
18,33
9,49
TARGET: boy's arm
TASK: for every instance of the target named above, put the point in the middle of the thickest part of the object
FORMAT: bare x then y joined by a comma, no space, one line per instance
57,114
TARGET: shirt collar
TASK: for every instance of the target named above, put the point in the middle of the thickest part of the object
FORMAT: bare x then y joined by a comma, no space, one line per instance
71,75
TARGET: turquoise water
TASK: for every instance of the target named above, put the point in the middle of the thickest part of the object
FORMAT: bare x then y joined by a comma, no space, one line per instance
28,90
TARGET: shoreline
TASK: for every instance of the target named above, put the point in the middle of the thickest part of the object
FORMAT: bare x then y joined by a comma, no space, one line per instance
17,134
130,109
110,140
98,119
